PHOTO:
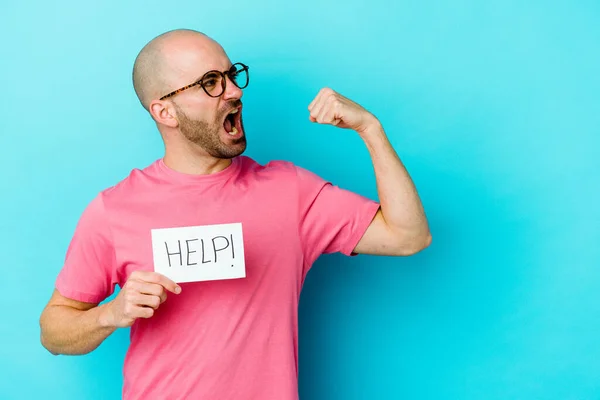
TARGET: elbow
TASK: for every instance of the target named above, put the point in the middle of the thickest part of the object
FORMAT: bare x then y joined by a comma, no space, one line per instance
47,345
44,340
416,245
426,241
49,348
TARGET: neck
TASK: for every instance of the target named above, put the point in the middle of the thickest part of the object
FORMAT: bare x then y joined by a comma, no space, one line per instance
195,164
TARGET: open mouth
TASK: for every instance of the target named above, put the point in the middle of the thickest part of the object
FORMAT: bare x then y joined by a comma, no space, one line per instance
232,122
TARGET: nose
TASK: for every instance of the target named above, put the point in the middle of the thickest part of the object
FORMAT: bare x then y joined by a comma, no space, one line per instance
231,90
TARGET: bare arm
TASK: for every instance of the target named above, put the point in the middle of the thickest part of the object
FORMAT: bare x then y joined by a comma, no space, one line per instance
72,327
400,226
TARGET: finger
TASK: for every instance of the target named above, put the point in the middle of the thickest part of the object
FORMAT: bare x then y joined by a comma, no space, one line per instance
146,312
146,300
332,103
160,279
310,116
141,312
315,100
318,108
314,110
152,289
327,113
312,103
318,102
321,115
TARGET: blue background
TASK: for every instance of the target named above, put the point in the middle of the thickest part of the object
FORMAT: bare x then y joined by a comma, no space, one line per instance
494,106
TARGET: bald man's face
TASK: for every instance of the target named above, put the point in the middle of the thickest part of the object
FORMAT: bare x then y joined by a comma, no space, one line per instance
212,123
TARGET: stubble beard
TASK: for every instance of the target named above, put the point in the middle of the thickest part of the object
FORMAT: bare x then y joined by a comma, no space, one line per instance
207,135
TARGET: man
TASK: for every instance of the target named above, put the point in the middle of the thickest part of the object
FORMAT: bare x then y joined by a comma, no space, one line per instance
223,338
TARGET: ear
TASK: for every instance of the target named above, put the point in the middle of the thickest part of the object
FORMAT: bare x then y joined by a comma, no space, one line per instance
163,113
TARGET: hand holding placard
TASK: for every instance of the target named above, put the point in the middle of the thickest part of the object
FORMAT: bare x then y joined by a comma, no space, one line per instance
140,296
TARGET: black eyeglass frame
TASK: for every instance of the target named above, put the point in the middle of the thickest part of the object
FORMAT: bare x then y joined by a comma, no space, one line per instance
232,72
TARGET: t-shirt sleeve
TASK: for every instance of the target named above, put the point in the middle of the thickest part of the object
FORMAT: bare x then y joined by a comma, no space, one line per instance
89,270
331,219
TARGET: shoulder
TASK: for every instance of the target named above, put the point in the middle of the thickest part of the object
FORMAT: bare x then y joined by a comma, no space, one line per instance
134,182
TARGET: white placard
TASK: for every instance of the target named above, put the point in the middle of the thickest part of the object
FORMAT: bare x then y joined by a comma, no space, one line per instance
199,253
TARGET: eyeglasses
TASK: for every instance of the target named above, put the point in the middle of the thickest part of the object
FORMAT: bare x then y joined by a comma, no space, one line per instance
214,82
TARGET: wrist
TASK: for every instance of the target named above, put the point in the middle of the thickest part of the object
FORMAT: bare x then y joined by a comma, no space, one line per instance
105,316
374,137
372,128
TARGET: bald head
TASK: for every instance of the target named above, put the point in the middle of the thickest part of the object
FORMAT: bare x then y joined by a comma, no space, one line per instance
164,62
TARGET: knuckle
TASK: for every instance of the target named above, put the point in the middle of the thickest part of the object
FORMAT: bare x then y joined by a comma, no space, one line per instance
133,286
153,277
129,296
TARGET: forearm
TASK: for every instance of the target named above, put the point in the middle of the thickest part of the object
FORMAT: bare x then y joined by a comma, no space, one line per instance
67,330
400,203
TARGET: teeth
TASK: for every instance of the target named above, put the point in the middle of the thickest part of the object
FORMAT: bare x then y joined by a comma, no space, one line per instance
234,111
233,131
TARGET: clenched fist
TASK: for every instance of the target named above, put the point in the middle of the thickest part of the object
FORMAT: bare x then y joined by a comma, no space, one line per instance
140,296
330,107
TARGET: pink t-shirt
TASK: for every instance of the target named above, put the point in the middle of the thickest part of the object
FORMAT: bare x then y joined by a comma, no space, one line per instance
222,339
